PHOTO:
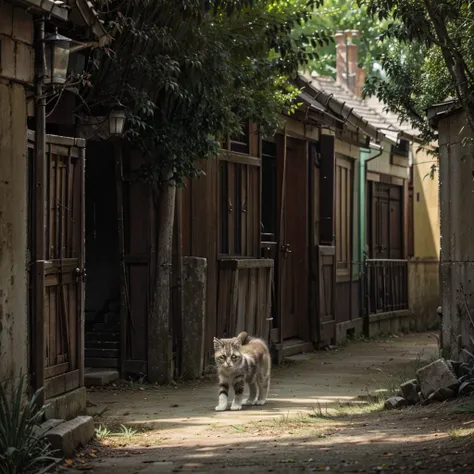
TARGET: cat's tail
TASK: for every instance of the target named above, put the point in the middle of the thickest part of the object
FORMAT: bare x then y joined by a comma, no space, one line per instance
243,336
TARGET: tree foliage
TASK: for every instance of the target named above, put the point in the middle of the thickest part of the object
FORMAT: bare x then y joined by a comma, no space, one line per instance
348,15
439,60
191,70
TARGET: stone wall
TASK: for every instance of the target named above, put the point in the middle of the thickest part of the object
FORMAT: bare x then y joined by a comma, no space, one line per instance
457,226
16,70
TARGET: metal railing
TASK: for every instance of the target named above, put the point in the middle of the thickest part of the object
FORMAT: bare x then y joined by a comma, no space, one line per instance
386,285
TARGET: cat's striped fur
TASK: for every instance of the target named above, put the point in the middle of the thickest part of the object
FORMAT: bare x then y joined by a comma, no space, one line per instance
241,360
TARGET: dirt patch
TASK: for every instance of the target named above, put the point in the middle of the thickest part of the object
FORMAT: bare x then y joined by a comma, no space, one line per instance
315,420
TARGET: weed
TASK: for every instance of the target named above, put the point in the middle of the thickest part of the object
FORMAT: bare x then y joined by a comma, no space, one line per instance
127,432
102,432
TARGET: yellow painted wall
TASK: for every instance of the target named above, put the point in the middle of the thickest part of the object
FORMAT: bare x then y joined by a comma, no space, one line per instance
423,268
425,206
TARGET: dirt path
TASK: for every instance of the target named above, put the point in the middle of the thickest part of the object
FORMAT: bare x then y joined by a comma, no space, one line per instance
315,420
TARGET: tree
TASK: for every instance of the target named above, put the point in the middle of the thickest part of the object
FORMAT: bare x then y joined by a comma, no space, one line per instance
189,71
440,60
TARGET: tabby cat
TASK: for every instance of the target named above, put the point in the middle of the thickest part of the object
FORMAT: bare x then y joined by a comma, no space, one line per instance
241,360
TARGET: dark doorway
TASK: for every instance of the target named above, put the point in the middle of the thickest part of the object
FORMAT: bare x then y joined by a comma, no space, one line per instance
102,301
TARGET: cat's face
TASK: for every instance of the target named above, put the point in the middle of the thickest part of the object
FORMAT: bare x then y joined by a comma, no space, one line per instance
227,352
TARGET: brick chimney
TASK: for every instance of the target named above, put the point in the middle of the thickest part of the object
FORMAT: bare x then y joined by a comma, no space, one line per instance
347,71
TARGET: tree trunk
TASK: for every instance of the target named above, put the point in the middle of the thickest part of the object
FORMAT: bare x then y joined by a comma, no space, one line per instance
159,340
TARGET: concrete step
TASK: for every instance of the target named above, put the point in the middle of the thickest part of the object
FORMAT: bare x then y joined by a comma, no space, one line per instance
97,362
102,353
102,336
66,437
102,344
295,346
103,327
99,377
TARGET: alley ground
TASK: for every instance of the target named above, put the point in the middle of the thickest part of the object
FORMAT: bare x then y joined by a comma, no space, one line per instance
321,416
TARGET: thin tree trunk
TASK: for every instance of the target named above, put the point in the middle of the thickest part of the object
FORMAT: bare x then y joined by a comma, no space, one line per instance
159,341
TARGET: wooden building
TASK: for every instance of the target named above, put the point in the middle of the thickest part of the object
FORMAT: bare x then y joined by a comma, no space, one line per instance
41,207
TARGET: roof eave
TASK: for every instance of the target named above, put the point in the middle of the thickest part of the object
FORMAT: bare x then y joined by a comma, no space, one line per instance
340,108
91,18
46,7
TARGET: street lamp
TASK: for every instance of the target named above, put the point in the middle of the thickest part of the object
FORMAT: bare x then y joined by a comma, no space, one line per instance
57,50
116,121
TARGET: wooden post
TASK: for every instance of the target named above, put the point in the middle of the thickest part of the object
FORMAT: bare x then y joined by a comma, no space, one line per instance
281,234
39,247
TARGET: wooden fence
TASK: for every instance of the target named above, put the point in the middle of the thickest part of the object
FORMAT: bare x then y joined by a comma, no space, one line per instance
244,297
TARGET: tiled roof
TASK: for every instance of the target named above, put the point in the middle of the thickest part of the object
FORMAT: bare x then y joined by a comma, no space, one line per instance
370,109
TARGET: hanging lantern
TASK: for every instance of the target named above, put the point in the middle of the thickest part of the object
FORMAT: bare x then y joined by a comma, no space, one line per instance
116,121
57,50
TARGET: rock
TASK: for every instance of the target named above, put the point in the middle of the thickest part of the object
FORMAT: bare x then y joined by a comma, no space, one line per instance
442,394
466,357
410,391
395,403
454,366
434,376
67,436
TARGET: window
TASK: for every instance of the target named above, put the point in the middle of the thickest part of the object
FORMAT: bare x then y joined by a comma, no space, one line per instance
343,214
239,206
399,154
241,143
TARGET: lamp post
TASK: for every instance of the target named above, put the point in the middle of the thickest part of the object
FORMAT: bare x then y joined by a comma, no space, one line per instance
57,50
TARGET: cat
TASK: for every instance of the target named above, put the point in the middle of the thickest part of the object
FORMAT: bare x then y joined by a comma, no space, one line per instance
241,360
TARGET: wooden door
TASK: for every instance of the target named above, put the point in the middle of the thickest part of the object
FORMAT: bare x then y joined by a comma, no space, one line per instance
135,215
58,317
293,239
326,295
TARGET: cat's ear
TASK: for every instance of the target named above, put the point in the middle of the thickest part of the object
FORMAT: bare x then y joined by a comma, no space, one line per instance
217,344
237,342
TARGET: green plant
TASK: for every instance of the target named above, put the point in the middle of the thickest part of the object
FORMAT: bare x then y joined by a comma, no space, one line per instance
102,432
22,449
127,432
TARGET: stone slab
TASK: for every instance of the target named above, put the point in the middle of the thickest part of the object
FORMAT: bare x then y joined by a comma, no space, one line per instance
194,287
434,376
68,436
100,377
67,406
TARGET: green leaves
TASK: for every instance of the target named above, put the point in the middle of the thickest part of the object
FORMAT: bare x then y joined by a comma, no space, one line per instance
431,57
189,70
21,449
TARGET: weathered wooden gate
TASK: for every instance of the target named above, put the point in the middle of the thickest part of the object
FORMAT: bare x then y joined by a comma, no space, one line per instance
57,315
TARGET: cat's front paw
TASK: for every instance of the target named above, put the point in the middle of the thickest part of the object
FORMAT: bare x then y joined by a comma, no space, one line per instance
221,407
235,407
248,402
260,402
